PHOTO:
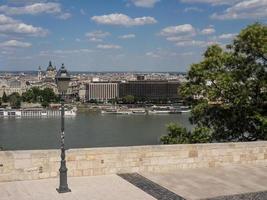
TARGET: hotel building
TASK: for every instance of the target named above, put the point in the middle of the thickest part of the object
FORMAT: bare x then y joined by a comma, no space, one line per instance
101,91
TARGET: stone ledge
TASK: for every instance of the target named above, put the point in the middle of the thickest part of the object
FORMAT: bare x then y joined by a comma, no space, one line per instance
18,165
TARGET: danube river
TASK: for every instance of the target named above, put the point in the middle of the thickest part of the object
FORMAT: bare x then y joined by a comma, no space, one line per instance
86,130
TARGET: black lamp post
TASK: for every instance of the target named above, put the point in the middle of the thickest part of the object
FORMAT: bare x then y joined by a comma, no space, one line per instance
62,80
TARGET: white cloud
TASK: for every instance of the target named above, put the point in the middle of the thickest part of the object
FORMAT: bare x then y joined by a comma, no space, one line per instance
190,43
227,36
62,53
72,51
178,38
153,54
93,39
212,2
9,25
65,16
193,9
208,31
181,35
184,29
123,20
247,9
97,36
128,36
166,54
15,43
6,20
77,39
145,3
32,9
108,46
35,9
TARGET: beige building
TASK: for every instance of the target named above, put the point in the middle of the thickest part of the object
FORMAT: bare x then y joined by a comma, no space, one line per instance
11,86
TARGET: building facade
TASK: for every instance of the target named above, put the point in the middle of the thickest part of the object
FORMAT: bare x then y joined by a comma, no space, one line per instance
11,86
150,89
101,91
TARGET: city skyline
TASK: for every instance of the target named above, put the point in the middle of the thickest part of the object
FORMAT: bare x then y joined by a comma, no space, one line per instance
127,35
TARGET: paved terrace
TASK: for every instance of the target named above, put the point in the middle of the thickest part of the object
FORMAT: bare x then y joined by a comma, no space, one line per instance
233,182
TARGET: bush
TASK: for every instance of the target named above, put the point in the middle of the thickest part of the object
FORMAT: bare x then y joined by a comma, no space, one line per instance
179,135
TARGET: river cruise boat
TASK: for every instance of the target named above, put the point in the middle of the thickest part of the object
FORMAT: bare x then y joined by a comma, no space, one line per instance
138,111
36,112
116,111
161,110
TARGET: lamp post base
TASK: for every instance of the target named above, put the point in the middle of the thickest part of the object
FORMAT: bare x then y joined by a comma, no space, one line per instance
63,190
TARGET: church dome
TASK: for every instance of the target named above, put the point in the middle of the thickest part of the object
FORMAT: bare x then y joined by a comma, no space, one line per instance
50,67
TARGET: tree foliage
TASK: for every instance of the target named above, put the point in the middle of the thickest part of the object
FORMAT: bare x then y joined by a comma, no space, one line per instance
229,88
4,98
179,135
176,135
128,99
45,96
14,100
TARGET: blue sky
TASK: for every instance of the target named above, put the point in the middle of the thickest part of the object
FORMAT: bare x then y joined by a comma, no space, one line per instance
119,35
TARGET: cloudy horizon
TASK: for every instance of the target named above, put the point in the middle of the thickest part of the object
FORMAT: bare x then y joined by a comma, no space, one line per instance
126,35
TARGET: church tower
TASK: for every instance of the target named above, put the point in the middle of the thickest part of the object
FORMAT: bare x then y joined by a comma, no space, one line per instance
39,73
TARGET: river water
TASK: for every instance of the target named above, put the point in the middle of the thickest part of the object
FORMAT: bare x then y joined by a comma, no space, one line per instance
86,130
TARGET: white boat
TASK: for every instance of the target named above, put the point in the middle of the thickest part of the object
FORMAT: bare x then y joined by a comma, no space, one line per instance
33,112
159,112
70,113
108,111
138,111
43,113
116,111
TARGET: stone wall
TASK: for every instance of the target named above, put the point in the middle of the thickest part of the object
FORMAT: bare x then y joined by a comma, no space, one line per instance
38,164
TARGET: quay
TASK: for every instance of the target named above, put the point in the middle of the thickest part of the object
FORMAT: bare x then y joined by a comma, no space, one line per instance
217,171
239,182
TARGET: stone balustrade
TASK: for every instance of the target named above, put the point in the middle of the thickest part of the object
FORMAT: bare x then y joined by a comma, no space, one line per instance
38,164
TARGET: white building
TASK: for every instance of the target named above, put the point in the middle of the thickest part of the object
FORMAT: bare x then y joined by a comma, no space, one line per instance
102,91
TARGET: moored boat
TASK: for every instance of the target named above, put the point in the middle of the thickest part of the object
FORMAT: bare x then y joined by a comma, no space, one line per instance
36,112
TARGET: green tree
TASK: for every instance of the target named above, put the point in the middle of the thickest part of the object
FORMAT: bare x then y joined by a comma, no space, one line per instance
15,100
179,135
176,135
28,96
48,95
36,94
128,99
45,96
5,98
200,135
229,88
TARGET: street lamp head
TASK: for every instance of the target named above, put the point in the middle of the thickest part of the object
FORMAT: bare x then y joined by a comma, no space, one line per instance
62,79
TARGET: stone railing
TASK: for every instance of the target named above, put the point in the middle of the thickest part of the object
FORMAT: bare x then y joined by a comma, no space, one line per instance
38,164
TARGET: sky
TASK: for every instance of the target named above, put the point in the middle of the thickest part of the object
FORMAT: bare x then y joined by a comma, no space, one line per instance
119,35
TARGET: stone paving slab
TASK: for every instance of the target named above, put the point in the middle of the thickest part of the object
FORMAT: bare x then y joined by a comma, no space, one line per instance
239,182
215,183
150,187
110,187
247,196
